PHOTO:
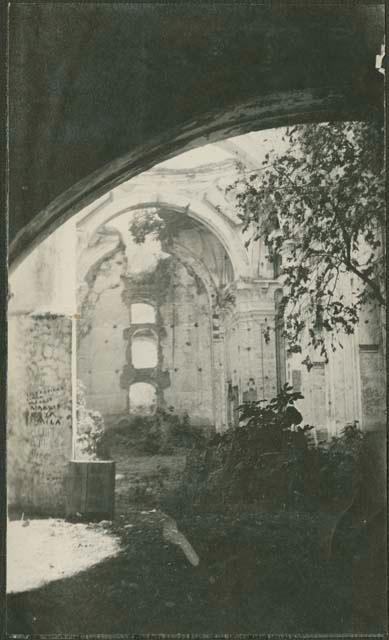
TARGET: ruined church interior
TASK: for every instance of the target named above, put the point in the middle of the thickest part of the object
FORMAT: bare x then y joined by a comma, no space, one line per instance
189,183
183,319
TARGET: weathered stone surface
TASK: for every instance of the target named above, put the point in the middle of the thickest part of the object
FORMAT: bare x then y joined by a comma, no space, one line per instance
39,441
208,374
183,328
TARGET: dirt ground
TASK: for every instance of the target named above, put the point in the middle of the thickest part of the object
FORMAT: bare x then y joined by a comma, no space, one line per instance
145,479
45,550
257,572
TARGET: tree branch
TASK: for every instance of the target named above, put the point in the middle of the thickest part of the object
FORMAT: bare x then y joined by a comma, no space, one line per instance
370,283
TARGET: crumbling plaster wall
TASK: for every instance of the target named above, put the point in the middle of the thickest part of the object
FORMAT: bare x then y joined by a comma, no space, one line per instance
250,342
370,339
183,376
46,279
39,385
193,356
350,387
198,193
187,348
39,443
103,317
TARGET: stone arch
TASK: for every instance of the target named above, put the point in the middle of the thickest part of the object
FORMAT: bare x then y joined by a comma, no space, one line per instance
198,211
242,120
272,69
191,261
197,266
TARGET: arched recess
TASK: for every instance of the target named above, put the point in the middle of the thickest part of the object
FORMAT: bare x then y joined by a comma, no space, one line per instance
189,260
141,340
197,210
201,270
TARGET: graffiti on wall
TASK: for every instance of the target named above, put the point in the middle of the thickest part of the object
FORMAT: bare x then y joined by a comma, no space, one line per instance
46,406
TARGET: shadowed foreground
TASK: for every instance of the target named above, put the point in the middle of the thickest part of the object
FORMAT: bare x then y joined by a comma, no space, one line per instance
258,573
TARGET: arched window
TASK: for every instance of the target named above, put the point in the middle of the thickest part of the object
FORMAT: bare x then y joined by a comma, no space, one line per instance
143,399
144,350
142,313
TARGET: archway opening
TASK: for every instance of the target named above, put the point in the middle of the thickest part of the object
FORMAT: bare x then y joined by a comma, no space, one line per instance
144,349
142,399
142,313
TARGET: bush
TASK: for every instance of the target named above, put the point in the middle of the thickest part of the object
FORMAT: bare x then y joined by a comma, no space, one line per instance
340,464
272,463
161,433
90,429
169,431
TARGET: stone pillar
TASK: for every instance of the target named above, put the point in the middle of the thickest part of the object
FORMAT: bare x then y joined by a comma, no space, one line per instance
219,385
40,403
250,341
218,370
373,403
39,442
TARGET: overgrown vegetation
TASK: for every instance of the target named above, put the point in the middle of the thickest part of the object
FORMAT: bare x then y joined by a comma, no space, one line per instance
319,206
147,223
169,431
90,428
271,462
161,433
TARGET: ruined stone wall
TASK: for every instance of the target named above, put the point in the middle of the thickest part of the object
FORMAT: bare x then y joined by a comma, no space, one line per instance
372,366
46,279
351,386
245,360
183,376
251,357
251,371
187,347
103,319
39,385
39,437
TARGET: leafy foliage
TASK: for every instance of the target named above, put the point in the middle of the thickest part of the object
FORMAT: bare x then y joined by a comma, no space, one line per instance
277,421
320,208
340,469
273,462
164,432
90,428
148,224
168,431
